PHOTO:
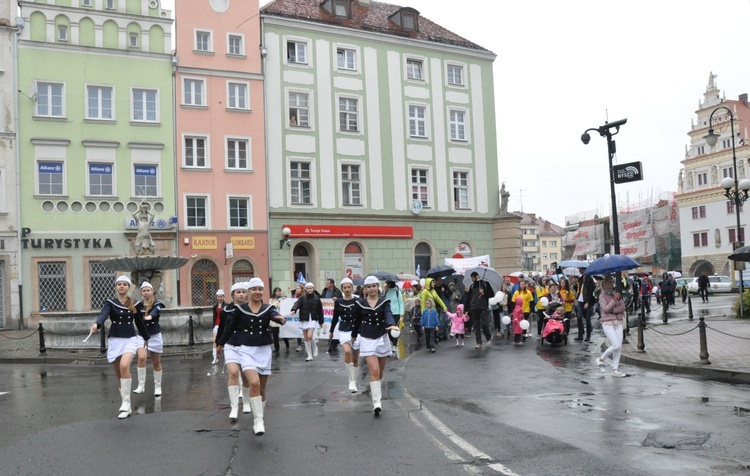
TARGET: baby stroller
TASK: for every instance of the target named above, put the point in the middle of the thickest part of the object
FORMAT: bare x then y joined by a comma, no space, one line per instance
554,326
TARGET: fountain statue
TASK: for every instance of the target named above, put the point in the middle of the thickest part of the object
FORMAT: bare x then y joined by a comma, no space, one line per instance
144,265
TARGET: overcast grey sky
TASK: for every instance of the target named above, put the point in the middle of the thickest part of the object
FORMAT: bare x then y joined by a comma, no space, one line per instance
563,67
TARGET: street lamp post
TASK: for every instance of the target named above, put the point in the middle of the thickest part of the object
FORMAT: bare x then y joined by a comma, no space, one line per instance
734,190
606,131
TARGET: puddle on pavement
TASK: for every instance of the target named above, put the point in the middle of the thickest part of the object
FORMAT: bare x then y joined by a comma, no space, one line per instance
741,411
680,440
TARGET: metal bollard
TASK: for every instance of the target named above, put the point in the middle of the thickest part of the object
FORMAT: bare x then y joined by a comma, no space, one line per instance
42,347
704,344
641,324
191,331
103,340
664,316
690,308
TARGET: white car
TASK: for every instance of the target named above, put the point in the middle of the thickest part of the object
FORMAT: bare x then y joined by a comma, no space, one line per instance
716,284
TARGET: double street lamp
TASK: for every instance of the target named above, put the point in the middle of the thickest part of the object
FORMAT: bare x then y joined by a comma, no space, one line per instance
736,191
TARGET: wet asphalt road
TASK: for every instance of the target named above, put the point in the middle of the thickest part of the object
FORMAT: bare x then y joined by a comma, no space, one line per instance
506,410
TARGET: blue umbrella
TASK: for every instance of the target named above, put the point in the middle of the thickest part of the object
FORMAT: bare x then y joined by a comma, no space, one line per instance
440,271
574,263
611,264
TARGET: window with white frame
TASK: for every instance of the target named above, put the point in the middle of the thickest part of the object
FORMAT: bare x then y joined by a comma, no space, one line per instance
727,172
457,124
455,75
194,152
351,185
192,94
238,212
299,109
50,178
699,212
296,52
145,105
50,99
733,233
109,4
301,183
348,115
101,181
346,59
700,239
133,37
461,191
196,209
235,45
726,143
414,69
553,256
417,121
341,8
99,104
237,150
146,180
53,280
85,3
702,178
203,41
237,93
730,207
420,189
62,32
700,150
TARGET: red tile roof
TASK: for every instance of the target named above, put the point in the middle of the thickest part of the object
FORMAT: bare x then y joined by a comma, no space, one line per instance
374,17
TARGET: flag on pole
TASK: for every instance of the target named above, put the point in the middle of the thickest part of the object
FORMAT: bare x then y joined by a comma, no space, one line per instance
301,278
418,273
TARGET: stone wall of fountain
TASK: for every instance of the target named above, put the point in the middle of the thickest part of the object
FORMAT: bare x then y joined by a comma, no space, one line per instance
67,330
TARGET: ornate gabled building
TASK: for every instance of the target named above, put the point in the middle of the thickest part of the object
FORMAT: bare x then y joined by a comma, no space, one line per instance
708,222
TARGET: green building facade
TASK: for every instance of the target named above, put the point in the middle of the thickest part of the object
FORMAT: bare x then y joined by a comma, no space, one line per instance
96,139
381,144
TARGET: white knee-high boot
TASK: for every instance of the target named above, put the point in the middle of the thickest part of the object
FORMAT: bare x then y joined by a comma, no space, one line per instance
314,343
125,386
141,380
308,349
258,407
246,400
375,391
157,383
216,357
351,371
234,400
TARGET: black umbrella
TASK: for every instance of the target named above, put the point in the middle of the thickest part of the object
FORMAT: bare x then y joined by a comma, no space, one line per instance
741,254
454,278
385,276
440,271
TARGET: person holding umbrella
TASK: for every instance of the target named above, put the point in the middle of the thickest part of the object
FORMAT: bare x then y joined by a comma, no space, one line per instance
477,302
613,312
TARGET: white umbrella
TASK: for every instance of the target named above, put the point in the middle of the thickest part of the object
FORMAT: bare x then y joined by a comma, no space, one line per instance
571,271
675,274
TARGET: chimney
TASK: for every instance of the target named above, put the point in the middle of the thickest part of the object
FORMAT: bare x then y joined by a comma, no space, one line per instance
743,99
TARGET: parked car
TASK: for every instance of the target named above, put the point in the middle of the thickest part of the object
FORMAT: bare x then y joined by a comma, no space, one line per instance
716,284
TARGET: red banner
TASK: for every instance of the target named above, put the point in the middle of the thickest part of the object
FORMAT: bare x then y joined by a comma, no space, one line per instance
349,231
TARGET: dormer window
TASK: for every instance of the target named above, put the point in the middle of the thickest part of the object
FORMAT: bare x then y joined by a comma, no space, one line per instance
339,8
407,19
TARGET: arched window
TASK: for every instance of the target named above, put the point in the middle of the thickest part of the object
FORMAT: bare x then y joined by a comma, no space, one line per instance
204,282
422,258
354,261
301,262
242,271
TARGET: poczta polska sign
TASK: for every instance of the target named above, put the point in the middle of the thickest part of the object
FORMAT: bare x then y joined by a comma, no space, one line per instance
631,172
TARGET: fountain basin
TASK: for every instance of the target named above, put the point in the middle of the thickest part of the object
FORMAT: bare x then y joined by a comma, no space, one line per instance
144,263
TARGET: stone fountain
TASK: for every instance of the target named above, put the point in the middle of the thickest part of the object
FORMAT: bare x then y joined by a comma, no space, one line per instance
144,266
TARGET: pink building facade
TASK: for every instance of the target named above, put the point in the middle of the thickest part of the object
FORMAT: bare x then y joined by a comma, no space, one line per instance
221,167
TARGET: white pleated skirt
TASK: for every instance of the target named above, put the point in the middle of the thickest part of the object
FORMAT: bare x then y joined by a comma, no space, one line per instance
346,337
304,325
256,358
116,346
155,343
380,346
232,354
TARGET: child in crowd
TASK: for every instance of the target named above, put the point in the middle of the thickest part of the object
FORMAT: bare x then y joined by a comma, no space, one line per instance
458,324
517,318
430,324
416,318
